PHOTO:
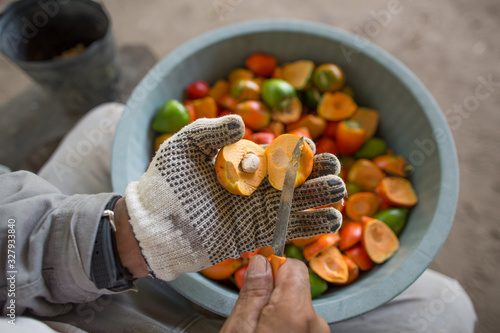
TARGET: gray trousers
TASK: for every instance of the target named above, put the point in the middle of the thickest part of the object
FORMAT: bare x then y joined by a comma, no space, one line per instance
434,303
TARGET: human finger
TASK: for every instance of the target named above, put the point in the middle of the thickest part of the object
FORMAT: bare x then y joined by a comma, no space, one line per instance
325,164
318,192
253,296
314,222
211,134
290,306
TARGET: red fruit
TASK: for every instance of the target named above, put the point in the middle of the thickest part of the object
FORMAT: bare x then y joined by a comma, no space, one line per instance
239,276
262,138
255,114
224,112
358,254
326,145
353,269
198,89
322,243
350,235
261,64
350,136
248,134
190,108
331,129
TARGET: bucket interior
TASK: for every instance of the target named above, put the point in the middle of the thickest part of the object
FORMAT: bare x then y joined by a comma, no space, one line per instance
41,31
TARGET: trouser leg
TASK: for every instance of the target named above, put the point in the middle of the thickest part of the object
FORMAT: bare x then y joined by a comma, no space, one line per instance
81,164
156,307
434,303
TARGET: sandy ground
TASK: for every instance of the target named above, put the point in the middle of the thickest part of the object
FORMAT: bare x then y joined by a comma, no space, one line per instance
450,45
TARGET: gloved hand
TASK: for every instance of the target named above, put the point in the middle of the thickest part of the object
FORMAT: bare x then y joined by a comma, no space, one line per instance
184,220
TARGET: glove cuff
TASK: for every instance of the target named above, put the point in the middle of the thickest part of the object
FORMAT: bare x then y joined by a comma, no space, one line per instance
164,245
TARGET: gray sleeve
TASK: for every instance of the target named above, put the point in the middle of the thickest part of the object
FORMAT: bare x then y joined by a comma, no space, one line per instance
54,237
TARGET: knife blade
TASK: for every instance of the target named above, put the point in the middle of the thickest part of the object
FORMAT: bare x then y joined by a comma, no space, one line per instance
279,237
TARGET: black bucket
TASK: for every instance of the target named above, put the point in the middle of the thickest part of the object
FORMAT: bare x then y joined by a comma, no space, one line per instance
66,46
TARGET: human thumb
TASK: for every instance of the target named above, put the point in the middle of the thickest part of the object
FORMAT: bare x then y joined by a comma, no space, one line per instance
254,295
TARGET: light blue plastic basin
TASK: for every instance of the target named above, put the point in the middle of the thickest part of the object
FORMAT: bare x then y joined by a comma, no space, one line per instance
411,123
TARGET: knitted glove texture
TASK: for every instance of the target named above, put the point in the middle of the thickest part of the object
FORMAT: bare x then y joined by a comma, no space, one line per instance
184,220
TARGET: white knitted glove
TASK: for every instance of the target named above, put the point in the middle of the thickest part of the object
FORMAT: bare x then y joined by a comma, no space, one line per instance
184,220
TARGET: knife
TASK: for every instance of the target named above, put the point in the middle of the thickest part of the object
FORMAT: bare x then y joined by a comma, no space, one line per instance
279,237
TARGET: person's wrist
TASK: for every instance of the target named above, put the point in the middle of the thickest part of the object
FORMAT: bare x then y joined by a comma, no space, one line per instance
128,248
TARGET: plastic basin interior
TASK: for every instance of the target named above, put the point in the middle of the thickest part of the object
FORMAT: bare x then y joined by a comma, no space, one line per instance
411,123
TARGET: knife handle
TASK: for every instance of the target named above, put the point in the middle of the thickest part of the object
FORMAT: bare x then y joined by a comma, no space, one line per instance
276,262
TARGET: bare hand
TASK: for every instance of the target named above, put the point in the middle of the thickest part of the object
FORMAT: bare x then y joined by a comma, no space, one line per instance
285,308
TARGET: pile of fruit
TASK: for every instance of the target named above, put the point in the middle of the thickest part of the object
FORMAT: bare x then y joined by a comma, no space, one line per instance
278,104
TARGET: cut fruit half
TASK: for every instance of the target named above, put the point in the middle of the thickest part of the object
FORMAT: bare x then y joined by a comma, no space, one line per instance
397,191
379,241
362,204
368,118
241,167
336,106
315,124
392,164
298,73
330,265
365,174
290,114
278,155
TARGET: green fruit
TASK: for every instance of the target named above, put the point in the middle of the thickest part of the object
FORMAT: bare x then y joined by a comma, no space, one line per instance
395,218
371,148
318,285
293,251
312,98
352,188
346,161
171,117
244,89
277,93
328,77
